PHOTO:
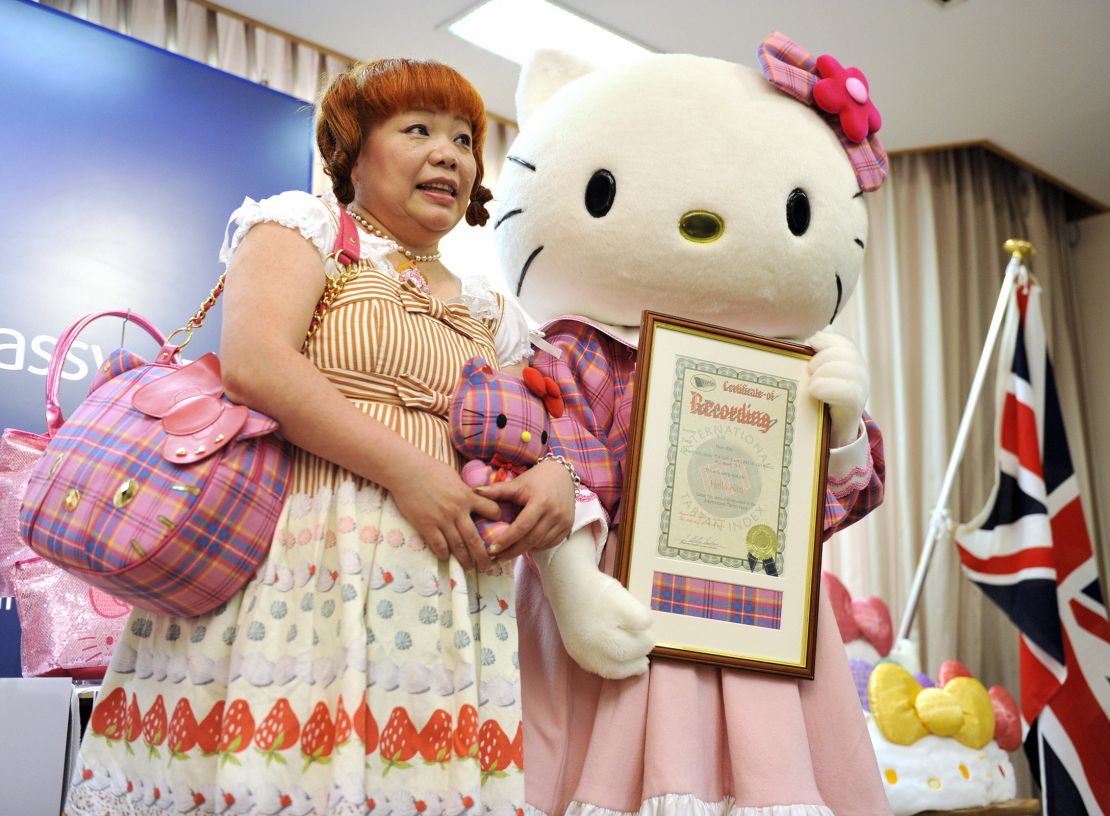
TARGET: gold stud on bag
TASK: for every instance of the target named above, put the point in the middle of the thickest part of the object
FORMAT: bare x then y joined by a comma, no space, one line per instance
125,493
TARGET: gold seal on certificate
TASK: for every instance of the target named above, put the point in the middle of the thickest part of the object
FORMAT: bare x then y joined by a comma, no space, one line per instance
762,542
725,496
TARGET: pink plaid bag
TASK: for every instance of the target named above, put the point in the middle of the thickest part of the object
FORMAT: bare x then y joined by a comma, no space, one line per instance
159,490
156,490
68,627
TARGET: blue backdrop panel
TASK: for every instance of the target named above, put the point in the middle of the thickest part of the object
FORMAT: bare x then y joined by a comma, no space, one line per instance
119,165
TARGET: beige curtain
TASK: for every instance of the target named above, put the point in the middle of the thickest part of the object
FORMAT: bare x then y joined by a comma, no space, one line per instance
932,279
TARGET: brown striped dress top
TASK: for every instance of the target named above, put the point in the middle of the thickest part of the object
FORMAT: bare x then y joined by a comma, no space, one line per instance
394,352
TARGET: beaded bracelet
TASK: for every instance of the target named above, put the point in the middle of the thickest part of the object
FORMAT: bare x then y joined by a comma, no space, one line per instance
565,463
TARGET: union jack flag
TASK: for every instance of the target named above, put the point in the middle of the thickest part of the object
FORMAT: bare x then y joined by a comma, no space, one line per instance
1028,549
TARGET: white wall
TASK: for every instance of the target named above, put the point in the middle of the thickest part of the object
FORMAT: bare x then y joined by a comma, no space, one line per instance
1092,257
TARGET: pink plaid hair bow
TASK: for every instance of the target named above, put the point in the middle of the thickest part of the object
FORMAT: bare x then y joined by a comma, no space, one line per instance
841,94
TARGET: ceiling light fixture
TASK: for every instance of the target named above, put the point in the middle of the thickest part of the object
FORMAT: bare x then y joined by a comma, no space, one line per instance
514,29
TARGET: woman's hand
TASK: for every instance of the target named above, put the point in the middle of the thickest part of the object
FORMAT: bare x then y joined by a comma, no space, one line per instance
546,496
437,502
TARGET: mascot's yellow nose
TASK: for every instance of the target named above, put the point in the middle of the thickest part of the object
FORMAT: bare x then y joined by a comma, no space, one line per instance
525,436
701,226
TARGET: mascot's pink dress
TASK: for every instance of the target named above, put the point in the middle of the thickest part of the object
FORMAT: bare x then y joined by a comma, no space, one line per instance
683,738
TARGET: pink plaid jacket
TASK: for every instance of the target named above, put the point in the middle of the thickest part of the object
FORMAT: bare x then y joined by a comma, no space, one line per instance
596,373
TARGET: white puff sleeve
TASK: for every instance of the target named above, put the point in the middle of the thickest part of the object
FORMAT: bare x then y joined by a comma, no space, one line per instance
295,209
513,336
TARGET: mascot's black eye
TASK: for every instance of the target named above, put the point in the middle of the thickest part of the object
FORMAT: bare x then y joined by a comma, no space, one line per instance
600,193
797,211
543,438
502,420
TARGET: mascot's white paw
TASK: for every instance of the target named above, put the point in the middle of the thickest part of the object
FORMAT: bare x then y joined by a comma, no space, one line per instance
604,629
838,376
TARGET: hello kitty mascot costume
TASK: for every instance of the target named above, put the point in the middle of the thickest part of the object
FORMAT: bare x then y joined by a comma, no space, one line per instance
704,189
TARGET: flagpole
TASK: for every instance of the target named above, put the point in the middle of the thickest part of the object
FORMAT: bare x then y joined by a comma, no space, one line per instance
939,520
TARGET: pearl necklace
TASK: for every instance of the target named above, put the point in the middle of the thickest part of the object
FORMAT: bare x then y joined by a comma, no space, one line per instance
396,247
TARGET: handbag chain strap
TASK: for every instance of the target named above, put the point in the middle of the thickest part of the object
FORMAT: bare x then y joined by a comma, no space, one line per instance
197,320
332,288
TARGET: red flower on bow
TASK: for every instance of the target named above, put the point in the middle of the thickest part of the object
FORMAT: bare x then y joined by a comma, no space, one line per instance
844,92
546,389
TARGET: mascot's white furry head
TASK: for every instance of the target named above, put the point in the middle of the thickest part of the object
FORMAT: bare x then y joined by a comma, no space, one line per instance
690,186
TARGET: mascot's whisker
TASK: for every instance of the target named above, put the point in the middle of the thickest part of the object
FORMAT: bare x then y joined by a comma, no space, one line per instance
522,162
524,271
507,216
839,297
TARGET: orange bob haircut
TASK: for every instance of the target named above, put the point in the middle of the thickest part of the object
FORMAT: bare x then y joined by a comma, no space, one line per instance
371,92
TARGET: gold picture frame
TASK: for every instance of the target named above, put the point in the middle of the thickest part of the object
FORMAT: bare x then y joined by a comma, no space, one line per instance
724,496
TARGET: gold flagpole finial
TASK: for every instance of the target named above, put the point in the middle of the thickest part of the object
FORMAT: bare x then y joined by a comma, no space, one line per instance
1020,249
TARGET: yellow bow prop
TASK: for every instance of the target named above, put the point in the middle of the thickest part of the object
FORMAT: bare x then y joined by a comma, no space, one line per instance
905,712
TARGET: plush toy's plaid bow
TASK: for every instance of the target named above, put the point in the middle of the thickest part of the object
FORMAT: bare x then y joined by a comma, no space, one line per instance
841,94
546,389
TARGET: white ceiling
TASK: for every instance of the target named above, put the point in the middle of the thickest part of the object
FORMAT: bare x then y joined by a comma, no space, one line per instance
1024,75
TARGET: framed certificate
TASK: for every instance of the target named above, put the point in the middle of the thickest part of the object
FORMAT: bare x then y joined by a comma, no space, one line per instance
724,496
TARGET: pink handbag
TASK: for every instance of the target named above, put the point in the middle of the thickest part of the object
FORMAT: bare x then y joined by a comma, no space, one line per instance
156,490
68,627
19,450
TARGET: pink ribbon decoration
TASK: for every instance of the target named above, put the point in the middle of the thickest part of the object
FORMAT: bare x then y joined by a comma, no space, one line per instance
868,618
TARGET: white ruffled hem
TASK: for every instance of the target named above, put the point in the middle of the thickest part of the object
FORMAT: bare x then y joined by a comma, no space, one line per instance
675,804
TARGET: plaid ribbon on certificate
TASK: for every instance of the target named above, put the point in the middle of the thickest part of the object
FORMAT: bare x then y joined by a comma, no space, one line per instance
699,598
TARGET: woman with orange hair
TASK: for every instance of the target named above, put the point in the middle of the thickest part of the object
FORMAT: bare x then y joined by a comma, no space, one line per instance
371,665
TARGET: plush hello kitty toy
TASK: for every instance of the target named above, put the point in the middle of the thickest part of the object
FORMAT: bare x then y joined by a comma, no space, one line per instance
500,423
705,189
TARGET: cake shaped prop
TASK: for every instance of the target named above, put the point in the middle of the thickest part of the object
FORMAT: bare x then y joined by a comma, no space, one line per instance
941,744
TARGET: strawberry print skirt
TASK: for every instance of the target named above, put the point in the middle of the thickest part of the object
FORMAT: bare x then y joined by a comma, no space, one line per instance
356,674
